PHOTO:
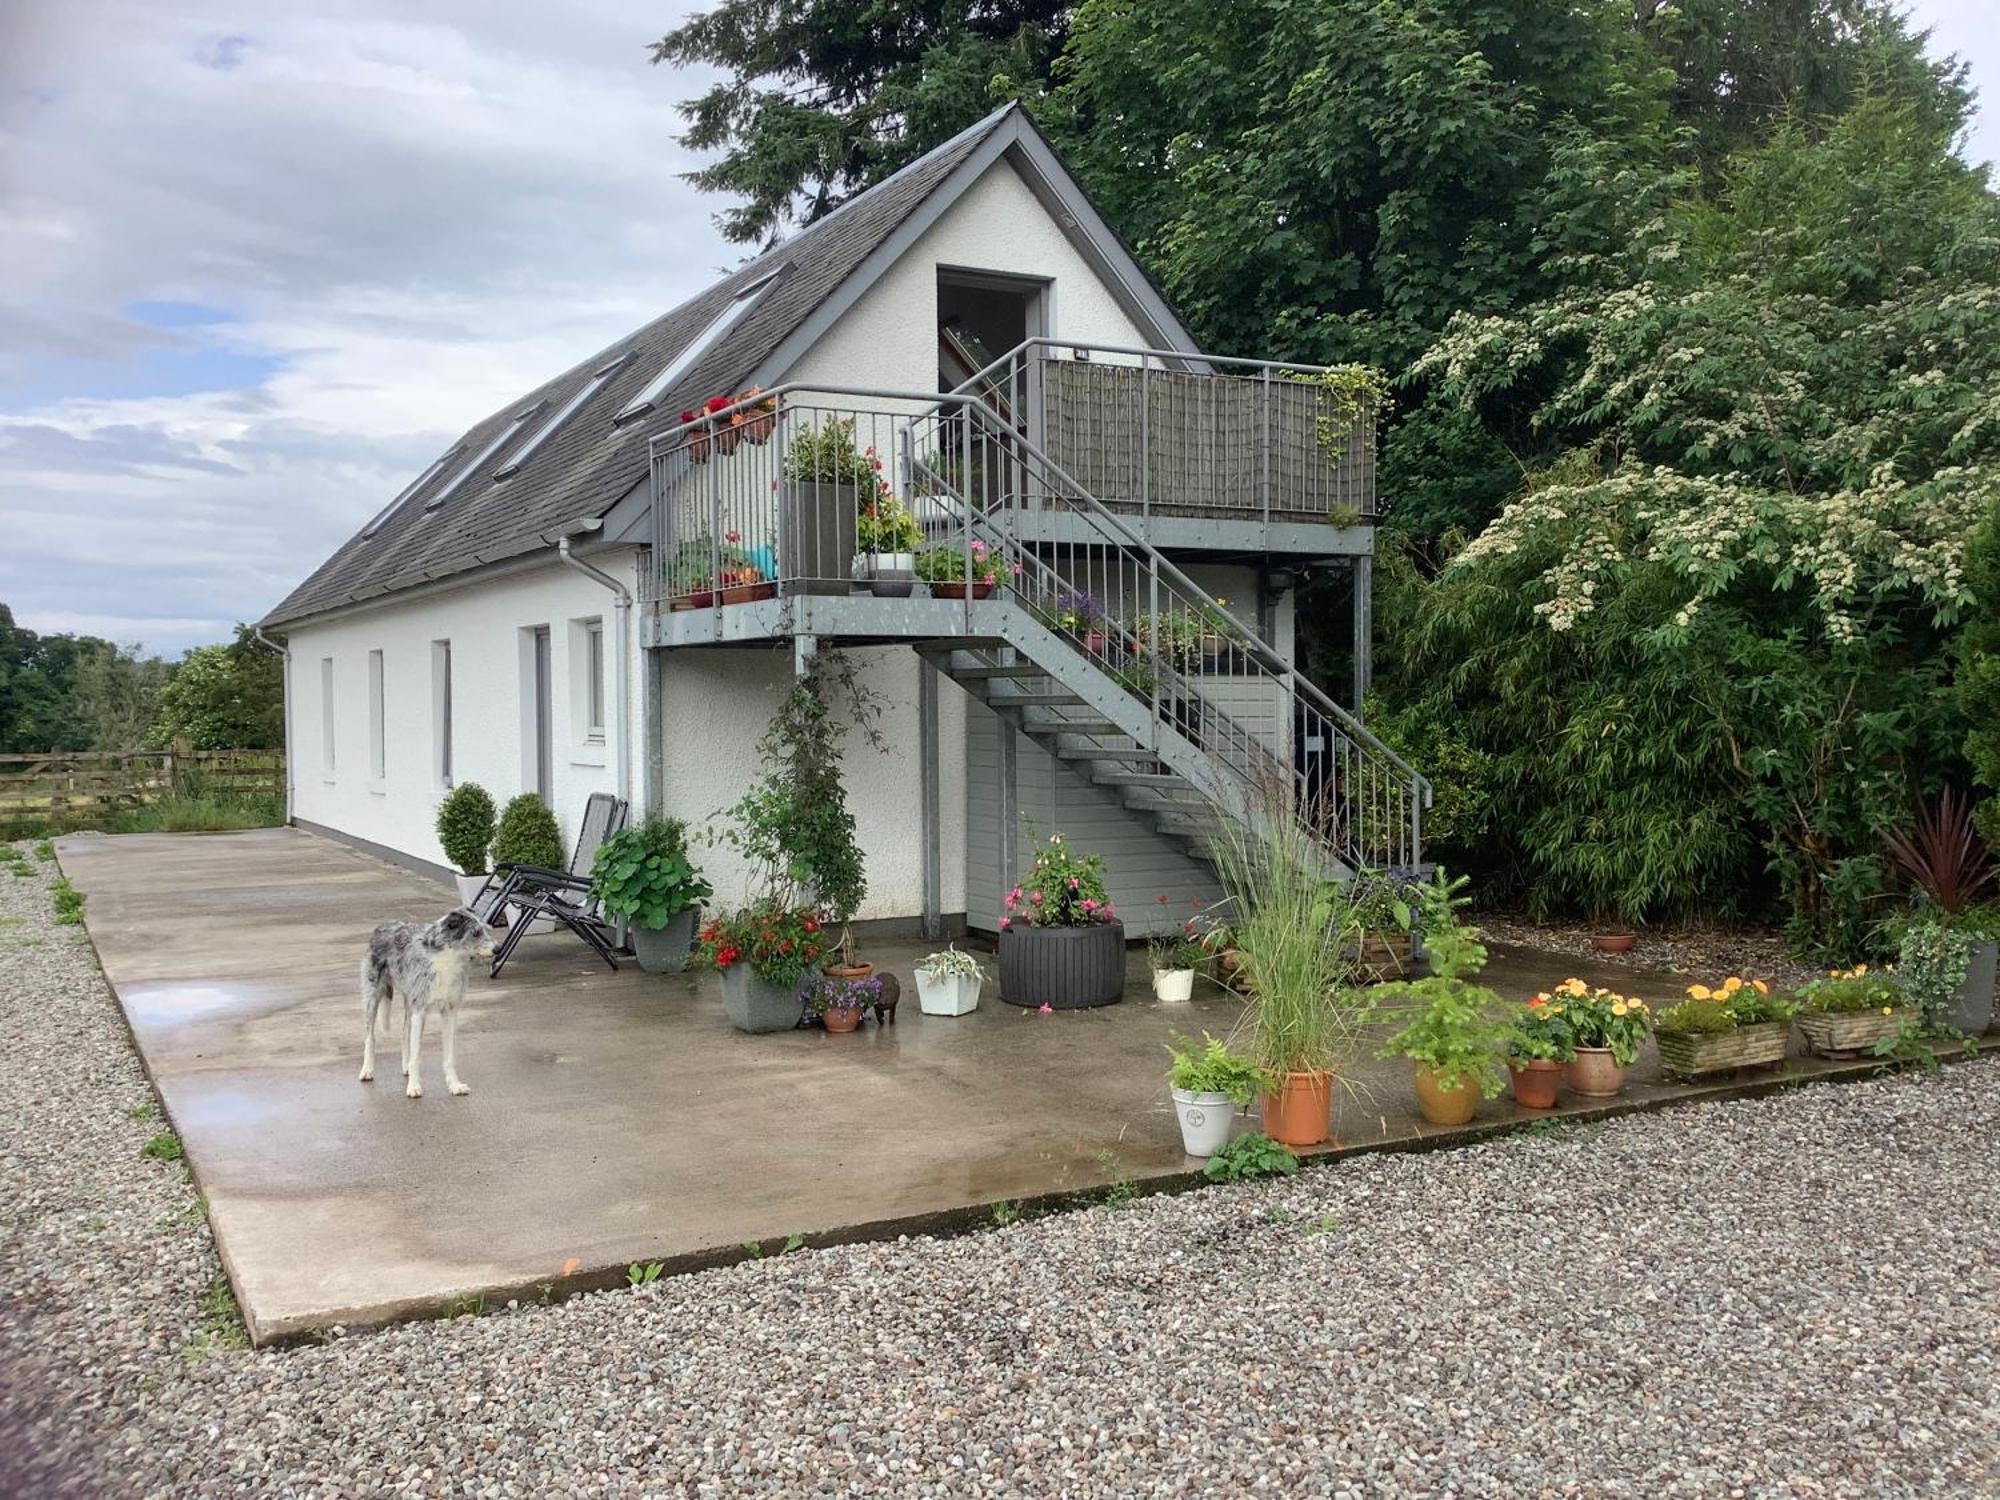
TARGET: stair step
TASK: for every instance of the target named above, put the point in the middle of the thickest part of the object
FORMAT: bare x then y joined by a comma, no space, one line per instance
986,673
1035,700
1153,780
1104,752
1066,726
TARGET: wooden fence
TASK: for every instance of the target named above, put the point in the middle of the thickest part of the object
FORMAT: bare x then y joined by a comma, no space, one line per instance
82,787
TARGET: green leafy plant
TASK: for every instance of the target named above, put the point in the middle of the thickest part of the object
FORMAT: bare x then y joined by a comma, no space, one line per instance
1846,992
950,963
945,562
1173,952
1347,399
1455,1029
1932,962
163,1146
465,827
68,903
1711,1010
1171,637
528,835
1541,1032
1252,1155
637,1275
44,850
1061,889
643,874
826,452
886,525
1210,1067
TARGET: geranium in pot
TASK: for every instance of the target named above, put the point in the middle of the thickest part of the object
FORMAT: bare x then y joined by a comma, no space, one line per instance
1210,1085
1946,959
1061,944
887,537
1735,1024
944,567
465,830
1174,958
1452,1031
838,1003
1850,1011
764,952
948,983
1607,1028
643,877
1539,1046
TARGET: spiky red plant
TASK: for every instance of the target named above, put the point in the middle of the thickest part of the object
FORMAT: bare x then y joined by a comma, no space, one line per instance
1944,855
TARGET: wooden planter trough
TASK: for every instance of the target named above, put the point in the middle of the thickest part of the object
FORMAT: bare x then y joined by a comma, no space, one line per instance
1751,1046
1845,1035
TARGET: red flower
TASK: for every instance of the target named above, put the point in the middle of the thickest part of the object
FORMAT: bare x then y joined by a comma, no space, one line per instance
715,404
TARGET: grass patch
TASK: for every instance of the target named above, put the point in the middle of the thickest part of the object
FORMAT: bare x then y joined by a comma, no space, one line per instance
45,851
187,812
221,1321
164,1146
69,903
146,1111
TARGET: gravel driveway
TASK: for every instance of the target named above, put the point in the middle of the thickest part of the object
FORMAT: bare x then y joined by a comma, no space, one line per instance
1797,1295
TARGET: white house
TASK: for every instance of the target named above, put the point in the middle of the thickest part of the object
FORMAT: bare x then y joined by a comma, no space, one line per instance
586,593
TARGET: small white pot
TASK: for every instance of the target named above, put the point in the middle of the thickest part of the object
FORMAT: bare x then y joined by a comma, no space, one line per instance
469,887
947,995
1173,984
1205,1121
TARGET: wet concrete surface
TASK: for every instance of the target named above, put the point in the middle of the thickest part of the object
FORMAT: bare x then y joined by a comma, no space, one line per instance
613,1118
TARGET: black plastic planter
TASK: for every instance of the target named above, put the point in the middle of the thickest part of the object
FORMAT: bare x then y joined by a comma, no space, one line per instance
1065,968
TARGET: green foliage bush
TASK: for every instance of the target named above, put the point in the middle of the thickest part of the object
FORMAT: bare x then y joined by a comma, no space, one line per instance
465,827
1252,1155
528,835
644,875
1978,676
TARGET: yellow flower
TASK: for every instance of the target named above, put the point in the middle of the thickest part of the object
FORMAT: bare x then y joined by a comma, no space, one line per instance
1700,992
1618,1007
1888,1010
1731,985
1760,987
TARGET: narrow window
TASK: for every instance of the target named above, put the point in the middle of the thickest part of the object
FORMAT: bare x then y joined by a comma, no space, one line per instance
699,345
378,758
326,714
563,413
594,689
441,709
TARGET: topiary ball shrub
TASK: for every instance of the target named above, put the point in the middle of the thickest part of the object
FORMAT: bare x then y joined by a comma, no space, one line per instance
528,835
465,827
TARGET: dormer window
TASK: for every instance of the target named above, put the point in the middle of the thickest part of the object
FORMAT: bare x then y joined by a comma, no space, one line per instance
699,345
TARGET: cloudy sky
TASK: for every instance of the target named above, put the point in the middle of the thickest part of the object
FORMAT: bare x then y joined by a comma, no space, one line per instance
260,261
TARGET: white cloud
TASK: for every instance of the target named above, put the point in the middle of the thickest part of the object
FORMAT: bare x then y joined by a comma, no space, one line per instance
407,219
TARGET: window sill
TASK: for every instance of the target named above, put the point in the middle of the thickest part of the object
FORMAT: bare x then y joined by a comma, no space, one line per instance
328,778
378,788
590,753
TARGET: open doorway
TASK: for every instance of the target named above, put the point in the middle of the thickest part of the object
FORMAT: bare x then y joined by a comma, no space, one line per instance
983,316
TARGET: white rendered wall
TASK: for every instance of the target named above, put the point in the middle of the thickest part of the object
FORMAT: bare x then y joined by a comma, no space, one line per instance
483,622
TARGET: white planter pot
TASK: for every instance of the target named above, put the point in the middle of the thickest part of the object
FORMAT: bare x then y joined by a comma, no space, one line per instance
1205,1121
1173,984
948,995
469,887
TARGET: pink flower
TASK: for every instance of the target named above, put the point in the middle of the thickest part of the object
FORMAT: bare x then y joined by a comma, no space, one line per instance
1036,898
1090,905
1012,901
1047,1009
1005,923
1072,882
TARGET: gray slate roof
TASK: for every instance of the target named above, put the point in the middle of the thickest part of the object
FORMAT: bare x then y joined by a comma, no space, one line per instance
587,467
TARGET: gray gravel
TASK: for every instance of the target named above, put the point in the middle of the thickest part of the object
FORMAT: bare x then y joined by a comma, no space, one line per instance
1798,1295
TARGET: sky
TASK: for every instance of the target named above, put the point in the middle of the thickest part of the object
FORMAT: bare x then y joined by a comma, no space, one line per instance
261,261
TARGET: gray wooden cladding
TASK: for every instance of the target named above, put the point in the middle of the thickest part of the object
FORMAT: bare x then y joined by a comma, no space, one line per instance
1203,445
76,785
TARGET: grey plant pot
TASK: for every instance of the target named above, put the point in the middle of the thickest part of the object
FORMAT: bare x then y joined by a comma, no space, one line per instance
1064,968
664,950
816,535
756,1005
1971,1009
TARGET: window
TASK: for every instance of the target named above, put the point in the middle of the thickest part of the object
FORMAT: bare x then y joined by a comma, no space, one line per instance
479,461
441,711
378,745
697,347
382,516
563,413
326,714
593,720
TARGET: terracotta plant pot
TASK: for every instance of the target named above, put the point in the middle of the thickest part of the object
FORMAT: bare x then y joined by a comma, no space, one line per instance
957,590
758,425
838,970
1300,1113
1535,1083
685,601
699,599
1446,1106
748,593
1593,1073
1612,942
841,1018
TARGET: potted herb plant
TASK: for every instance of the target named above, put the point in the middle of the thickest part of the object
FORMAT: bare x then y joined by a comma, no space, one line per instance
819,504
888,537
1174,957
943,566
1453,1033
465,829
642,875
1850,1011
1607,1028
838,1002
764,952
1061,944
948,983
1945,963
1736,1024
1210,1085
1538,1048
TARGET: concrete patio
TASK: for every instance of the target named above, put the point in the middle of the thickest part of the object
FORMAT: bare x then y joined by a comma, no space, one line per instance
614,1118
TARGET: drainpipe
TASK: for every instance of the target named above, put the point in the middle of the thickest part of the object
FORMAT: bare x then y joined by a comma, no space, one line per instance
621,612
291,764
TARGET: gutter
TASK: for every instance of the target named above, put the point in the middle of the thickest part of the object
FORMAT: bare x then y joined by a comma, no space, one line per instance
291,761
621,607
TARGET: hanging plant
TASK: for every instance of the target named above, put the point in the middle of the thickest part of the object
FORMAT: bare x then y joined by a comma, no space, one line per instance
1345,396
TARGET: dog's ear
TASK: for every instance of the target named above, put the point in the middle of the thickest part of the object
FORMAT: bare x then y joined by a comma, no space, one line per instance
457,923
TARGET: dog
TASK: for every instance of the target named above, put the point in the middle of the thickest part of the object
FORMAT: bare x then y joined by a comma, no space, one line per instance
423,966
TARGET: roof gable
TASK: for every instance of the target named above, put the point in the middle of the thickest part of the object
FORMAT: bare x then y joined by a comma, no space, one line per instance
585,467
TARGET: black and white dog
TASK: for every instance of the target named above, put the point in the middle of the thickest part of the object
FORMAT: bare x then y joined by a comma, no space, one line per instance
424,967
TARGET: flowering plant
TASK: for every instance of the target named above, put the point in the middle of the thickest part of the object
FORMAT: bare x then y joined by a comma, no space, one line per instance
829,993
1062,890
1076,611
1542,1032
780,943
1172,952
1733,1003
945,563
1848,991
1604,1018
886,525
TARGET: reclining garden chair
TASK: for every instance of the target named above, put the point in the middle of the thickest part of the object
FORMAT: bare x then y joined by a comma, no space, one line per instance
530,891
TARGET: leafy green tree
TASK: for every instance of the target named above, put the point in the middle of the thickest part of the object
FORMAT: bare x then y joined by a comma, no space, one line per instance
1978,678
224,698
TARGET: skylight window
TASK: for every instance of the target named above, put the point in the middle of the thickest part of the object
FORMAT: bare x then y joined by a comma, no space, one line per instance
697,347
382,516
567,410
500,441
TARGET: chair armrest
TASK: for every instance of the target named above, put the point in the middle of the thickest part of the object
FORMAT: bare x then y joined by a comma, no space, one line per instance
541,875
